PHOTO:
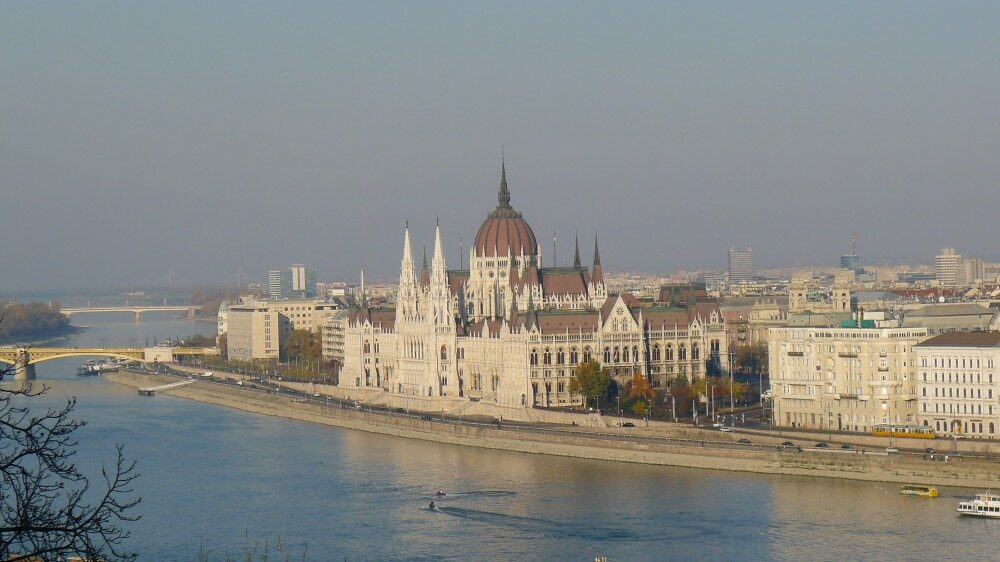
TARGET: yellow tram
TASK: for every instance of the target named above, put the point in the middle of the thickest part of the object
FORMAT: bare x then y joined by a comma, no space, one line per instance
911,431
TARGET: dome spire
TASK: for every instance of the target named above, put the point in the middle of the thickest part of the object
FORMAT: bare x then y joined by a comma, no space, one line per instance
576,256
503,196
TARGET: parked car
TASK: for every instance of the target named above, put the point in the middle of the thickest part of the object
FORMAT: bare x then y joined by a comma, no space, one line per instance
628,424
426,417
846,446
400,410
822,445
930,450
725,429
744,441
891,450
788,444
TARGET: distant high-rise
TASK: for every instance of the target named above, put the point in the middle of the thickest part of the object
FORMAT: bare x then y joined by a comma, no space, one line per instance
298,281
852,261
946,267
740,265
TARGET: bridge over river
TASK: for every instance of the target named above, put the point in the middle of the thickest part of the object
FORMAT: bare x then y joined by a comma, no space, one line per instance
189,310
24,359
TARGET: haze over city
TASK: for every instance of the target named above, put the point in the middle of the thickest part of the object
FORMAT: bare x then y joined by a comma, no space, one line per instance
205,138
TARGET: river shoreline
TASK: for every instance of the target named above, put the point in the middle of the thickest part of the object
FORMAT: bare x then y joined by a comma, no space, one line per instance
974,473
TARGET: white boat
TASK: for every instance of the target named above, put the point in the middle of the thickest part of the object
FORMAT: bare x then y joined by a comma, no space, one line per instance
983,505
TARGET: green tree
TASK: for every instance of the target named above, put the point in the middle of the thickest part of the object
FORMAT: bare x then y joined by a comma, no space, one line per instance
590,380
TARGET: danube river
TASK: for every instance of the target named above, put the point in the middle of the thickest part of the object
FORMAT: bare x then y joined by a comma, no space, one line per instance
213,475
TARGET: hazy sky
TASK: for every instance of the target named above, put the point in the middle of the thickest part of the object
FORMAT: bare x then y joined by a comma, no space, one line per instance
138,138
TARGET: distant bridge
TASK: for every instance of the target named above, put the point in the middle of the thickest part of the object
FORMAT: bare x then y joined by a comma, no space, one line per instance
24,359
190,310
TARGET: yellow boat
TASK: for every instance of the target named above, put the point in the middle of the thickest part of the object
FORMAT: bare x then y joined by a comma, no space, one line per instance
919,491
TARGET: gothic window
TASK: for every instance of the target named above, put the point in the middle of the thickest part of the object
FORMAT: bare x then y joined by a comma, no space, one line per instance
656,352
534,356
670,352
682,353
560,357
624,354
444,352
695,352
635,353
368,347
607,354
574,357
586,354
547,357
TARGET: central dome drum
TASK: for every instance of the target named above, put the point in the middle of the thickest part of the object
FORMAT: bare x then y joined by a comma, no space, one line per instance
505,232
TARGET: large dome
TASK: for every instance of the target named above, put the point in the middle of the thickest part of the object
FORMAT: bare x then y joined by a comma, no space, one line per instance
505,232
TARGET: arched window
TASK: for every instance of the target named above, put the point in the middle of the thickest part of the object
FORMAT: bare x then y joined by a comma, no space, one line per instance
368,347
635,353
625,354
991,428
444,352
695,352
607,354
547,356
560,357
534,356
682,353
656,352
586,354
670,352
574,357
618,355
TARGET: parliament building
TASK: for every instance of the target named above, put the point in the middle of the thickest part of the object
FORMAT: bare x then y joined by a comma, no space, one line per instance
509,333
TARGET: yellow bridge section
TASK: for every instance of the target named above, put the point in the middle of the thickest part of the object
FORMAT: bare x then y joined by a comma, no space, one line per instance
24,359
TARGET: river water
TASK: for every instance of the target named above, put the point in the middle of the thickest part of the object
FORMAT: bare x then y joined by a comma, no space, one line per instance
215,476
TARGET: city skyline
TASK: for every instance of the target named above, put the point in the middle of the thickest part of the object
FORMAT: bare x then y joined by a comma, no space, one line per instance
200,146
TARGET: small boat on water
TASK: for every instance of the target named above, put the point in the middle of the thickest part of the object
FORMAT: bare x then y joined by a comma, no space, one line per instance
983,505
919,491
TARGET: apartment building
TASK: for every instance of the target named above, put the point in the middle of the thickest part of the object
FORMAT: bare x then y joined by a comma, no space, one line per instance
959,383
844,378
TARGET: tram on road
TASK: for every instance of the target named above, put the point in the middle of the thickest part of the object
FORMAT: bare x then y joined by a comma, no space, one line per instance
911,431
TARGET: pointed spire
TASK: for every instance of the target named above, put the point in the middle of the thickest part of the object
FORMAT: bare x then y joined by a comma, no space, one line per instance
503,196
406,267
513,306
364,295
425,274
576,254
597,275
439,273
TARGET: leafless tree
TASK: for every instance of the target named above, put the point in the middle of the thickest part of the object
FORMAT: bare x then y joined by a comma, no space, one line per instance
48,510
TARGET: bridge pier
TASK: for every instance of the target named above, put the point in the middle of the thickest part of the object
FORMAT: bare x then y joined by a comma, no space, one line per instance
23,369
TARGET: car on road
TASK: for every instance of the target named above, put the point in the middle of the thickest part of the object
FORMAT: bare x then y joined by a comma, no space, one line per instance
846,446
717,424
426,417
628,424
400,410
930,450
725,429
788,444
891,450
822,445
744,441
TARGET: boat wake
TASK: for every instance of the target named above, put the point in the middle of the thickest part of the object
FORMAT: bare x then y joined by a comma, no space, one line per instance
472,494
545,527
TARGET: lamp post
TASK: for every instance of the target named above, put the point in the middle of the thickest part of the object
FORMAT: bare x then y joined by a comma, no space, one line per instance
711,401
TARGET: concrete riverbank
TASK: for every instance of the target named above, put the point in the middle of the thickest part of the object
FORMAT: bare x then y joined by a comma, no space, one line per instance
670,448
